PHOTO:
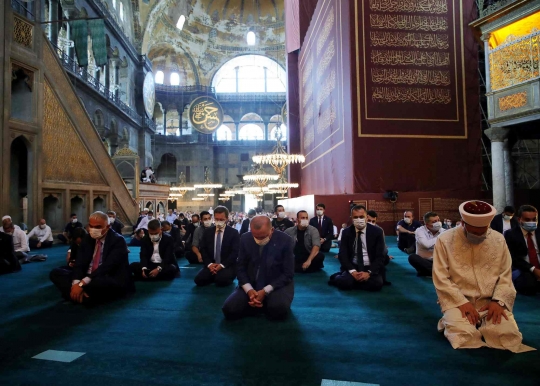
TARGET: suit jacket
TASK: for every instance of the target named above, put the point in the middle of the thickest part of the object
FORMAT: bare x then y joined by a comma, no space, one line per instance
8,260
375,248
177,238
229,246
518,248
114,264
166,250
245,226
117,226
497,223
277,255
190,229
327,229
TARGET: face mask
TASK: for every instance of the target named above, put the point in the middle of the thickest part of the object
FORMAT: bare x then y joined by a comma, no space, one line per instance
168,232
95,233
437,226
359,223
262,242
529,226
155,238
111,220
195,224
474,239
304,223
407,220
43,226
73,220
10,233
507,218
207,223
320,213
282,214
220,224
150,217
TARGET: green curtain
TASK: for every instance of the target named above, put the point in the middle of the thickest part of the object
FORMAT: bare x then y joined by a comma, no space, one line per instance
79,34
99,47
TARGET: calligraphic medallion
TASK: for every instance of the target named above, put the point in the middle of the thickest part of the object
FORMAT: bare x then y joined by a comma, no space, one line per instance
206,114
149,94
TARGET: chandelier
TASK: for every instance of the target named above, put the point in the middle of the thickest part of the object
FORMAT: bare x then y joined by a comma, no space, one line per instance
198,199
279,159
259,177
207,185
282,185
174,196
182,188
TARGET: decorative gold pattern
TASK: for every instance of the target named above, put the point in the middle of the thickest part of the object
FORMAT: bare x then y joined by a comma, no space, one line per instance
308,92
307,71
309,137
206,114
513,101
326,59
410,77
125,151
410,58
65,158
409,22
329,86
329,23
428,6
23,32
515,61
412,95
120,214
327,118
409,39
306,118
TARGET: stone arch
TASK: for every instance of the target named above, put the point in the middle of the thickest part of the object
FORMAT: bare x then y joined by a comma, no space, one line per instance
20,182
251,127
166,171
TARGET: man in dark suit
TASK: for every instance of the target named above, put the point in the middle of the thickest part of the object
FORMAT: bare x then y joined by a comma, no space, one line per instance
157,256
101,271
523,243
70,227
190,230
8,261
361,255
219,250
325,227
174,232
265,271
194,255
247,221
504,221
116,225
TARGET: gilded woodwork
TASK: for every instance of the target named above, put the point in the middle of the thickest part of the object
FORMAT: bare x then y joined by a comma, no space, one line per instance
513,101
23,32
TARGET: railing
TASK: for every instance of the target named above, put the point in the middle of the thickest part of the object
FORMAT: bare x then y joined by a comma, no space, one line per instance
516,61
486,7
252,97
21,9
184,89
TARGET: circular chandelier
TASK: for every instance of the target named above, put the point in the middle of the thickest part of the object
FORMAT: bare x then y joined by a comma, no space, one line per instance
279,159
198,199
224,198
207,185
182,188
259,176
282,185
206,194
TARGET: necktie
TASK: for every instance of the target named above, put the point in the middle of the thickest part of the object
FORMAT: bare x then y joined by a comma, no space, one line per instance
260,279
320,226
97,256
359,253
217,252
533,257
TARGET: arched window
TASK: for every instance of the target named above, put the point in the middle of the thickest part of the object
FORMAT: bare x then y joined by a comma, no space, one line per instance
283,130
251,38
160,76
251,132
223,133
180,23
175,79
98,119
250,73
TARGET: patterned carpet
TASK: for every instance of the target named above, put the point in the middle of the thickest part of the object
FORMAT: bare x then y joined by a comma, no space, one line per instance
174,334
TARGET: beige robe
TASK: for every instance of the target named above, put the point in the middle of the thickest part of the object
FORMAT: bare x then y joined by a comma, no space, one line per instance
464,272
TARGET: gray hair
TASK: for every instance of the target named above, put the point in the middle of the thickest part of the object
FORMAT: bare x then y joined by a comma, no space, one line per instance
100,216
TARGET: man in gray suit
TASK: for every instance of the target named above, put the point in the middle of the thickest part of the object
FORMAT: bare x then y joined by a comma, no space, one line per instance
265,271
307,243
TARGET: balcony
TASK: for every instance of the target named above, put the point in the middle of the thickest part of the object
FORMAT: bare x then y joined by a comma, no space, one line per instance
276,97
488,7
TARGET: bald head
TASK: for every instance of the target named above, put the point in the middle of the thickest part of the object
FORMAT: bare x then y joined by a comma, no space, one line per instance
260,222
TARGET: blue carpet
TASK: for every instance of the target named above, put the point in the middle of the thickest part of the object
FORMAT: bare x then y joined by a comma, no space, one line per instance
174,334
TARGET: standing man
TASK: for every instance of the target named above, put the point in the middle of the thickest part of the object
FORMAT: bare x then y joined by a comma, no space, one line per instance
40,236
406,232
157,261
194,256
265,272
426,236
307,243
101,271
361,255
247,221
504,221
116,225
523,243
219,250
472,274
70,227
281,222
325,227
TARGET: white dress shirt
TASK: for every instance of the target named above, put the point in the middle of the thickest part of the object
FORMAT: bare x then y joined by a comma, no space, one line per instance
41,234
143,224
506,225
87,279
20,242
215,243
170,218
425,242
365,256
156,258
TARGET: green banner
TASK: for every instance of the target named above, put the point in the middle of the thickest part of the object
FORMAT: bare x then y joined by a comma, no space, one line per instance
99,47
79,34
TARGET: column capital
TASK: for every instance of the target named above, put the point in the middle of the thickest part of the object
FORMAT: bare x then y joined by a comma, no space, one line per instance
497,134
485,37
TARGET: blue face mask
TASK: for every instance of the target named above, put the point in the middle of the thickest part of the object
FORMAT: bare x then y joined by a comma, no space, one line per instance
529,226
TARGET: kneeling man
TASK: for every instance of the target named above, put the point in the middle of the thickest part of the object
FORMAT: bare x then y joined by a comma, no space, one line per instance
157,255
307,243
265,272
472,274
426,236
219,250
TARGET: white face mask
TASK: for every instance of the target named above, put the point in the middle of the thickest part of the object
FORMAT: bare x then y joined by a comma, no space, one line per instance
507,218
95,233
73,220
262,242
43,226
220,224
407,220
150,217
436,226
155,238
475,239
320,212
207,223
304,223
282,214
111,220
195,224
359,223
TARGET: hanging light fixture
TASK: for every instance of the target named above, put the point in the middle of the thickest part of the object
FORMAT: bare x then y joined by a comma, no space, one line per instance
207,185
259,177
182,188
282,185
198,199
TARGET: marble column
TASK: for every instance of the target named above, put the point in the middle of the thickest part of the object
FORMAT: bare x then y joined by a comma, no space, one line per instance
165,122
497,135
508,173
107,77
